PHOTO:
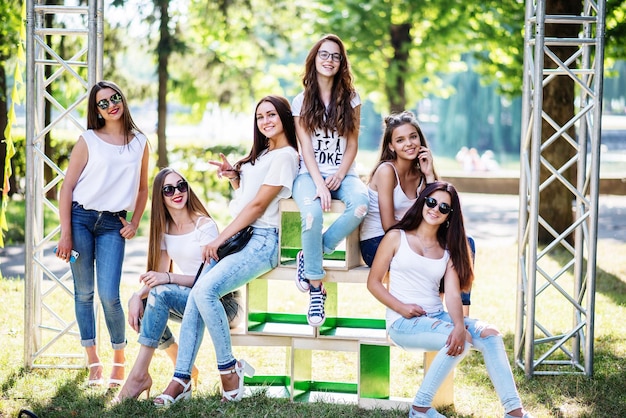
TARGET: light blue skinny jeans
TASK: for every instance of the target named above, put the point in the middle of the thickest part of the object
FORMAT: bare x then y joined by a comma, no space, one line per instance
352,193
96,237
431,333
204,308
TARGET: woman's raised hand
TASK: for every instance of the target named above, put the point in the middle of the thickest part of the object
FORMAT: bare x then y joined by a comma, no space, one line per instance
426,161
224,168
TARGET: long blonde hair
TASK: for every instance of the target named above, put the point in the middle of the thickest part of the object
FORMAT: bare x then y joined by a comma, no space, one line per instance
160,216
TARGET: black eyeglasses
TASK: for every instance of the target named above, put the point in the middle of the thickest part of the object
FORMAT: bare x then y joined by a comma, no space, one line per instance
335,56
115,99
169,190
444,208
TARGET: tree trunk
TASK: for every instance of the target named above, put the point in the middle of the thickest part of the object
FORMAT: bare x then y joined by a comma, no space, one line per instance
164,50
555,203
398,66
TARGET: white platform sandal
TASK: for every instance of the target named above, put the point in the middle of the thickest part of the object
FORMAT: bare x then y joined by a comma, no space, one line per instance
241,368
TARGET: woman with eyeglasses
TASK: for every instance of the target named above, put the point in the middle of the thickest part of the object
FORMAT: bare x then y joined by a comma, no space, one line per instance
404,168
327,116
260,181
180,226
430,242
107,177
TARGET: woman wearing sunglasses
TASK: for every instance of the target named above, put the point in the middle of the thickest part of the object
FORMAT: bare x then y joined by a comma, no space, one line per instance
430,242
327,115
260,181
107,177
180,226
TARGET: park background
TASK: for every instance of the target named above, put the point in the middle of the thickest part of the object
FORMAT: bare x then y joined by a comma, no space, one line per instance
462,77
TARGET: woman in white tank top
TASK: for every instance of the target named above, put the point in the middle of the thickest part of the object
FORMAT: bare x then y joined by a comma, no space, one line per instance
430,242
107,177
404,168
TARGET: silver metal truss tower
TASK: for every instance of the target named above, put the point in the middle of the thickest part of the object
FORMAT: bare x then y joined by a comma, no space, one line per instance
557,281
62,79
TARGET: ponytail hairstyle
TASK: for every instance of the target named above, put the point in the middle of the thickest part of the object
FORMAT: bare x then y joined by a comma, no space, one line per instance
450,235
391,122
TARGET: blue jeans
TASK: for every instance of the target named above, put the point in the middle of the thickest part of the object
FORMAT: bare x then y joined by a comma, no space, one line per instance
368,249
431,333
204,308
352,193
96,237
164,302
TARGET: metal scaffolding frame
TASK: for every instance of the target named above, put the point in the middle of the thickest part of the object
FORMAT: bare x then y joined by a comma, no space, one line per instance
64,83
543,345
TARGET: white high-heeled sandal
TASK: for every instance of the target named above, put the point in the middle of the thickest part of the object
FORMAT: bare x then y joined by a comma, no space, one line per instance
116,382
241,368
168,399
95,382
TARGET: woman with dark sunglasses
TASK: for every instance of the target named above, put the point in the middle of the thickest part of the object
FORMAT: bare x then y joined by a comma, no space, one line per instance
180,226
430,242
107,177
260,181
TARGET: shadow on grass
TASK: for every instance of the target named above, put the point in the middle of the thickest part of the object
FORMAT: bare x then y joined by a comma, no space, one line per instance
601,396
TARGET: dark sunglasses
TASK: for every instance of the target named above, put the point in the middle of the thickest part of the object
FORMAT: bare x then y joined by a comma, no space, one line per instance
444,208
169,190
115,99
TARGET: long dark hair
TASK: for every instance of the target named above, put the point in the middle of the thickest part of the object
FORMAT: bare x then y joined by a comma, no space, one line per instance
340,114
450,235
160,217
283,108
393,121
94,122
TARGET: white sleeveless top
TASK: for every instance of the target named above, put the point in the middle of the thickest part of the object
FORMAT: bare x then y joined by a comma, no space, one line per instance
110,179
372,226
415,279
186,250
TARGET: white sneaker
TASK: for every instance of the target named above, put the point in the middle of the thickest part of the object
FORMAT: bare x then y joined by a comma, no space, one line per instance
431,413
316,315
302,283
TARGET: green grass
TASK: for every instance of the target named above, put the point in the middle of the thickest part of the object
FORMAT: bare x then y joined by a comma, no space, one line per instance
63,392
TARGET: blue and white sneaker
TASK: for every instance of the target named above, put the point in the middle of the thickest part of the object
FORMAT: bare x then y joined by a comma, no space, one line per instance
302,283
316,315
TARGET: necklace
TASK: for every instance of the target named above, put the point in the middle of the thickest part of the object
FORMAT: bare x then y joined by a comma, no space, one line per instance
425,248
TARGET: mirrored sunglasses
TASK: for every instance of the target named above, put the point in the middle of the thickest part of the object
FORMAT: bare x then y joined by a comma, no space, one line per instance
444,208
115,99
169,190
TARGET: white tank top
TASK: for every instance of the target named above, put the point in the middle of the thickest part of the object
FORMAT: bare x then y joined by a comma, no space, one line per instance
110,179
415,279
372,226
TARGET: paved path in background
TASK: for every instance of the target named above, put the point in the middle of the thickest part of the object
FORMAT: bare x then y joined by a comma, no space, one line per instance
490,219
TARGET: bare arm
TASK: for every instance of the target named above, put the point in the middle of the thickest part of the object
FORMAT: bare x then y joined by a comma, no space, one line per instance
129,230
78,161
385,182
352,146
454,307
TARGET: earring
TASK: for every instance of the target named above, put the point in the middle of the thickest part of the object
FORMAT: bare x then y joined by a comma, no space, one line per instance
447,224
99,116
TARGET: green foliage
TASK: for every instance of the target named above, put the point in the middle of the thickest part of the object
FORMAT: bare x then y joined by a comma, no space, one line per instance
10,23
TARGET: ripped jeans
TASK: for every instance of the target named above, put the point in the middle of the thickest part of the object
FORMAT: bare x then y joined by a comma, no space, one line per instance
431,332
352,193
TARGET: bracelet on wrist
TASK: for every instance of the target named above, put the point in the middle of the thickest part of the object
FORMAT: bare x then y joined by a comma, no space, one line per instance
169,278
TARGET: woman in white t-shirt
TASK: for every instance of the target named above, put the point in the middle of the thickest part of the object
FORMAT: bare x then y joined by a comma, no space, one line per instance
107,177
260,181
327,116
180,226
430,242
